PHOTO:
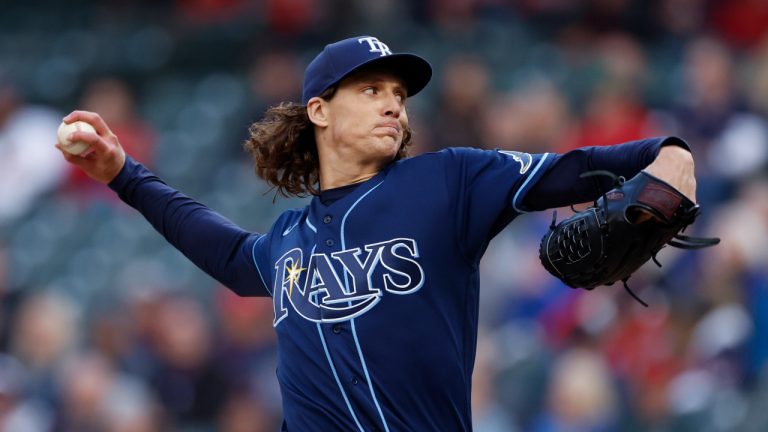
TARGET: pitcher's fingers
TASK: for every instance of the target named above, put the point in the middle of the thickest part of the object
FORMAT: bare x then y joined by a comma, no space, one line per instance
96,142
91,118
640,215
643,216
89,153
69,157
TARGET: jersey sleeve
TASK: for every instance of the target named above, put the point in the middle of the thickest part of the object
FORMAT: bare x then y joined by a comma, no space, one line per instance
489,188
226,252
492,187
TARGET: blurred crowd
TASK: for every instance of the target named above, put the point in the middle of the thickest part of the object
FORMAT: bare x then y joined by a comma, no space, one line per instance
104,327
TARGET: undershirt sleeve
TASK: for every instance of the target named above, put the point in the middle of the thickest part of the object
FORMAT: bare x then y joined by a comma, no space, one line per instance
212,242
560,185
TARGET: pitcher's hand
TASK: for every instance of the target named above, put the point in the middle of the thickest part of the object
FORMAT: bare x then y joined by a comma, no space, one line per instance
105,157
675,166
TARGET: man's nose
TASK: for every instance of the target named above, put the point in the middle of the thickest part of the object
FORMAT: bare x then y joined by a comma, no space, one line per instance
392,106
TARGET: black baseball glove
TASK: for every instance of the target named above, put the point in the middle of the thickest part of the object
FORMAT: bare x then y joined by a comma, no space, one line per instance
609,241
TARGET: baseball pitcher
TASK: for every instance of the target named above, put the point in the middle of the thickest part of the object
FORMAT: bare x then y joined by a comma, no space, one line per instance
375,283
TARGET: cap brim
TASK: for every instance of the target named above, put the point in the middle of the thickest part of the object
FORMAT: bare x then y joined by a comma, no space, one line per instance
414,70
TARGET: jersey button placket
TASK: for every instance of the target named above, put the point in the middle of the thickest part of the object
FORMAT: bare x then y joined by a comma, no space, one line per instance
327,219
329,242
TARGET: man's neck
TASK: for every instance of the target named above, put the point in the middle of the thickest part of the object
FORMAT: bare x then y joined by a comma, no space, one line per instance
337,170
332,178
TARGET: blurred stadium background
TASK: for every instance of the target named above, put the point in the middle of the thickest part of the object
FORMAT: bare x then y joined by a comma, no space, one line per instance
104,327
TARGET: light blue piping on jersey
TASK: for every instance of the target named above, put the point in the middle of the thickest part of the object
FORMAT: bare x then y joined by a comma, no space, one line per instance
312,227
352,321
336,377
253,255
333,368
525,183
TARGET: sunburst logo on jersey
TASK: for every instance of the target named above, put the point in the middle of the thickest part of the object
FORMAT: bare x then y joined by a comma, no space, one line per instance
293,276
524,159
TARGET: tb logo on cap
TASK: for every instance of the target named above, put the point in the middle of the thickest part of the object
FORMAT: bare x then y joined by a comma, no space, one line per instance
376,45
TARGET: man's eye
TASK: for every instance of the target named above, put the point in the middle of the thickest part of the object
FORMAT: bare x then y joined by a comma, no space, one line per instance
369,91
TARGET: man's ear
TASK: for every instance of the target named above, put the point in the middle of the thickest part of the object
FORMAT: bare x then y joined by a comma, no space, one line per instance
317,110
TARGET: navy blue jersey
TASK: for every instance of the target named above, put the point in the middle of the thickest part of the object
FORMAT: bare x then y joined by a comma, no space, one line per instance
375,294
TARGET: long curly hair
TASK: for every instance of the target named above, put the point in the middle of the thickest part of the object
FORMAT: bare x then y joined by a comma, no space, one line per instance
284,150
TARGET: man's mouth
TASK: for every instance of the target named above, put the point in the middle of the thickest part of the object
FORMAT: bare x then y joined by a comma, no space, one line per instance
393,126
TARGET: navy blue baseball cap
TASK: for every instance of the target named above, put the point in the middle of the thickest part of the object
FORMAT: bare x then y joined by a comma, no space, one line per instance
339,59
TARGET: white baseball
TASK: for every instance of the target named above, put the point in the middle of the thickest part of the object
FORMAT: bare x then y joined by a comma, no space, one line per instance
65,130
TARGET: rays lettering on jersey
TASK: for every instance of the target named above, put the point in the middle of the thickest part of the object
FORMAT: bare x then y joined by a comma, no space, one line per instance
319,294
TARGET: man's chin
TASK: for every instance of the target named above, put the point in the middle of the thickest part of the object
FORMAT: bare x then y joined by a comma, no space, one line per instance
389,142
386,151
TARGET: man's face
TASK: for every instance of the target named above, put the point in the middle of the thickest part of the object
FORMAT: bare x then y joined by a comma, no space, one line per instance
367,117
